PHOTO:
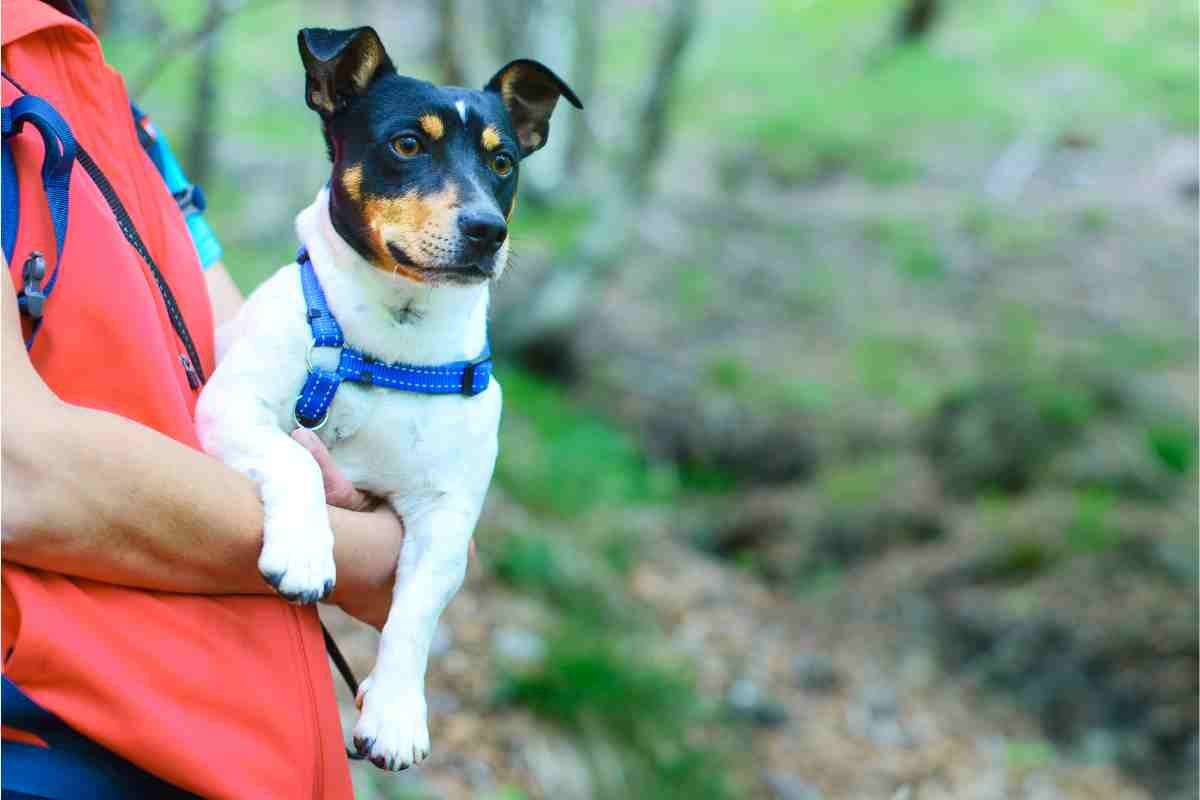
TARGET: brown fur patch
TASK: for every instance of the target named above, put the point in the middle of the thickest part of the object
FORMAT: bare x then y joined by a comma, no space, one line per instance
511,208
352,181
490,138
432,125
418,224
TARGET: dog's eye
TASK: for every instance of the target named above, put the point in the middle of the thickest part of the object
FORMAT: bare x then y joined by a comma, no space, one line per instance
502,164
407,146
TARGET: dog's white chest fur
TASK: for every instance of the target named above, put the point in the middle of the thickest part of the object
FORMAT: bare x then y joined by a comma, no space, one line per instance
431,457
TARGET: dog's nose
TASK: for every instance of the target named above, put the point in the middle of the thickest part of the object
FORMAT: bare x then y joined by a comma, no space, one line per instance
484,230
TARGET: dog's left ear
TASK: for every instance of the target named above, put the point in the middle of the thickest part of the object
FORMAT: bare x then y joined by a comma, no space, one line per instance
530,91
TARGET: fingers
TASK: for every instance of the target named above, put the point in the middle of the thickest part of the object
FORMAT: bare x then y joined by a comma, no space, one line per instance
338,490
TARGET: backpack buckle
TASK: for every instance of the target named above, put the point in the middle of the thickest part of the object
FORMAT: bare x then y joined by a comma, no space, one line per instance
32,298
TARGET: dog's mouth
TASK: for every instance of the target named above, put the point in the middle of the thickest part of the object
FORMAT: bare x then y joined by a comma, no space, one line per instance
460,274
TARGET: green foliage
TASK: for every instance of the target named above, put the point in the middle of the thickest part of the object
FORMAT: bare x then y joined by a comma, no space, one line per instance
1094,220
1029,754
1174,445
729,373
695,288
528,561
601,686
564,575
556,227
1091,528
562,459
898,368
910,246
858,484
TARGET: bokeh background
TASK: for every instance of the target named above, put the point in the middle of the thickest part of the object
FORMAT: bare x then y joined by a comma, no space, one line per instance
850,364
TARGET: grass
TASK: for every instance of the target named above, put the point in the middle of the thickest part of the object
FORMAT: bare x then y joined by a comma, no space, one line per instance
910,246
1091,529
1174,445
598,686
561,459
817,90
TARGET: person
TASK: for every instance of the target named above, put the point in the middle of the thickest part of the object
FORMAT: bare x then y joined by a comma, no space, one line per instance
137,631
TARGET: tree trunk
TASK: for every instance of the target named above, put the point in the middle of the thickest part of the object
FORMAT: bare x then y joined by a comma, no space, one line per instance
204,99
916,19
446,55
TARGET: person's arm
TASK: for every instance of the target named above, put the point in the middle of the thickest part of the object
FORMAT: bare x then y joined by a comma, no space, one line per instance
223,293
95,495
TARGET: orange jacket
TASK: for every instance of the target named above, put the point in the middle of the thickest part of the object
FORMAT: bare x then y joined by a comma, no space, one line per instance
224,696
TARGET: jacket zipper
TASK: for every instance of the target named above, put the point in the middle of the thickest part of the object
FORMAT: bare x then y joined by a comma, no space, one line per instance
191,361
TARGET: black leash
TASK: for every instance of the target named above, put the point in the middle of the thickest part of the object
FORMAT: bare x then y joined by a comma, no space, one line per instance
339,661
343,667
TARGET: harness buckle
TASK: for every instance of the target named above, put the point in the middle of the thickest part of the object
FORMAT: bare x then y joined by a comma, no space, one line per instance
31,275
468,380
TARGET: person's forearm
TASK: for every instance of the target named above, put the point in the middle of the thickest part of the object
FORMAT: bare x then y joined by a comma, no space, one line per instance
91,494
97,496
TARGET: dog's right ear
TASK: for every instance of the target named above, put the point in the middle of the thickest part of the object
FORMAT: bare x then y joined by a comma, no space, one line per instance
339,65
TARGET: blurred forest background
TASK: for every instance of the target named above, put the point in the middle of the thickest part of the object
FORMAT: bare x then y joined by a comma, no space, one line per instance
850,364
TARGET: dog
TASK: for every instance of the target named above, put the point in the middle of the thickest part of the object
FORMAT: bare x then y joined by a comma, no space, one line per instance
401,244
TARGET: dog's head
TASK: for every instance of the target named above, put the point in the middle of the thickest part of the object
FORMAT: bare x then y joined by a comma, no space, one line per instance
424,176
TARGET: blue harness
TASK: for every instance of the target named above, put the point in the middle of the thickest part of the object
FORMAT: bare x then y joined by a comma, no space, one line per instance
467,378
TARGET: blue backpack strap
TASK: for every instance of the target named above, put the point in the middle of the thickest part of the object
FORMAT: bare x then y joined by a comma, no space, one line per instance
189,196
72,766
60,150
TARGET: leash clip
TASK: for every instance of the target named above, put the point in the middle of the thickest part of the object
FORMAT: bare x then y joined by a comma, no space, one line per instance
31,275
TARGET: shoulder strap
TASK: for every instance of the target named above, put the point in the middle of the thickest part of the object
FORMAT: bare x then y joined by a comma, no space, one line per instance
60,151
190,361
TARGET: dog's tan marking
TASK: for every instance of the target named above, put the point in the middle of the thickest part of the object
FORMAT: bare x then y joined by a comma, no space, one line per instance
490,138
417,224
352,181
432,125
511,208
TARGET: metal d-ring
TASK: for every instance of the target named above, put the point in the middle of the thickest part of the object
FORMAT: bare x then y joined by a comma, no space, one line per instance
325,418
318,426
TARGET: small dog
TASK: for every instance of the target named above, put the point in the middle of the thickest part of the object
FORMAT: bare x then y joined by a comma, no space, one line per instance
400,247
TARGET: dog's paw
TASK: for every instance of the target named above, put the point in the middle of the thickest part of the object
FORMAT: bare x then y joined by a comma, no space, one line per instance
299,566
392,731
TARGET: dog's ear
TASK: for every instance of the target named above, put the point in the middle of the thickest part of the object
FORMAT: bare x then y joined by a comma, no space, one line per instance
529,91
339,65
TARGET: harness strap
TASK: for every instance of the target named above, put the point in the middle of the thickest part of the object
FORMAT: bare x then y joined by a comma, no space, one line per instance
467,378
72,766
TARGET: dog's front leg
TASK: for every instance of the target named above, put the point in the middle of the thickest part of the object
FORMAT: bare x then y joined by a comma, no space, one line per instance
297,552
392,730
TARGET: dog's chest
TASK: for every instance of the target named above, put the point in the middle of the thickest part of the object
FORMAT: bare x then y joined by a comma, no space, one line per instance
387,441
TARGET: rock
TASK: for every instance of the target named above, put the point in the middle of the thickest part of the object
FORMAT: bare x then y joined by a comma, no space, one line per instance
789,787
558,768
816,673
875,715
748,702
518,646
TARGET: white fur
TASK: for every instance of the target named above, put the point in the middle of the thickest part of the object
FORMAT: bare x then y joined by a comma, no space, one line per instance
430,457
462,109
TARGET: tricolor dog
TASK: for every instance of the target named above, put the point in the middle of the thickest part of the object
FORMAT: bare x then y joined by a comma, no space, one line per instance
377,339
